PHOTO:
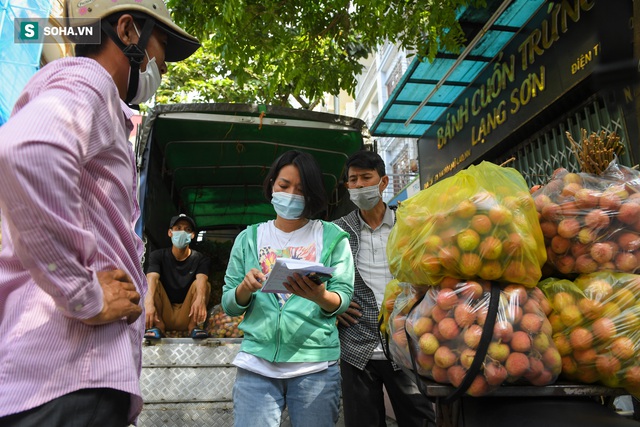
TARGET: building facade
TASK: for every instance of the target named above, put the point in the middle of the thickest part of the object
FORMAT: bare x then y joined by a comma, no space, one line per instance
383,70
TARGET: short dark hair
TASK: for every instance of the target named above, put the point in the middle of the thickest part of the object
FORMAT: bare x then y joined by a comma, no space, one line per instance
365,159
88,50
315,196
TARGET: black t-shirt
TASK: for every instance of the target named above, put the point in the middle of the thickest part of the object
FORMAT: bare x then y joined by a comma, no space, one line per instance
177,276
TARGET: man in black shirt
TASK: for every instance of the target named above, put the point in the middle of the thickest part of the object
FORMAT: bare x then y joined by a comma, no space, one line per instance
178,284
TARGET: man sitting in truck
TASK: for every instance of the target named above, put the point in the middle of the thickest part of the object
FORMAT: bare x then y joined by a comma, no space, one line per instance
178,284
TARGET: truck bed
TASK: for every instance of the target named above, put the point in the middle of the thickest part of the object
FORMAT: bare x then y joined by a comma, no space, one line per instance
187,383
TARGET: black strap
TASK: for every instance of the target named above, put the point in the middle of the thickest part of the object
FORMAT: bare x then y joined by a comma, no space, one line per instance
483,346
481,351
384,338
134,52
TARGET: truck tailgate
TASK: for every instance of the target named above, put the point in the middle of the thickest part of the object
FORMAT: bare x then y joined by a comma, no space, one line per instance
188,383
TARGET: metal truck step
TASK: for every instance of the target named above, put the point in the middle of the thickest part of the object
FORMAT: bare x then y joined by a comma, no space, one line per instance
188,383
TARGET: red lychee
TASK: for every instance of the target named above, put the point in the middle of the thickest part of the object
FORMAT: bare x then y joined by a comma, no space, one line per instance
560,245
464,315
478,387
581,338
604,329
520,342
472,335
503,331
568,228
495,373
626,262
447,299
481,223
531,322
517,364
448,328
607,365
456,374
629,213
597,219
601,252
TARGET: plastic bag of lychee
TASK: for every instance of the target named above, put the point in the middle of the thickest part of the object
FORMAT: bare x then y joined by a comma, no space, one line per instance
590,222
596,328
400,297
391,292
481,222
476,336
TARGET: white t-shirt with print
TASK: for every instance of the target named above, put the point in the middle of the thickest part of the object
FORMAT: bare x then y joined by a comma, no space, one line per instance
304,243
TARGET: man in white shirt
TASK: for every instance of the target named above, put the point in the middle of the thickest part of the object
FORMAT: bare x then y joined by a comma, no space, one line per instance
364,367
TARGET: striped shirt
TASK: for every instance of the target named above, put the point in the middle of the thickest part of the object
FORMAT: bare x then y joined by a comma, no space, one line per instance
68,207
372,262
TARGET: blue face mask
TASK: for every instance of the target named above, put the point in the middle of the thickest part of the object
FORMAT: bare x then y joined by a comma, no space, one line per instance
180,239
287,205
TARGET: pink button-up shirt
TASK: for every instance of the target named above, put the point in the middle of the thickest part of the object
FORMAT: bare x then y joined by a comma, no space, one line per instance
68,208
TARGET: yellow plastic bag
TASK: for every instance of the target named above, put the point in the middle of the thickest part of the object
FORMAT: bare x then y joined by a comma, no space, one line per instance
596,327
480,223
391,292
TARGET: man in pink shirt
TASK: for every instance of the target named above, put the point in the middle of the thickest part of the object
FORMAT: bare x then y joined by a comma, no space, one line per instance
71,278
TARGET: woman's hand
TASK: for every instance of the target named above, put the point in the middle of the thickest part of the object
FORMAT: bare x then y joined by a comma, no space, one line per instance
307,288
251,283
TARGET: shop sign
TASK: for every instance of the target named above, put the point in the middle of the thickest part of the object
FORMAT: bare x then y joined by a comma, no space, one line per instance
556,50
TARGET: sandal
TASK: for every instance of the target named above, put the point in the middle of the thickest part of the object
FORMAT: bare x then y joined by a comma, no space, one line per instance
198,334
153,334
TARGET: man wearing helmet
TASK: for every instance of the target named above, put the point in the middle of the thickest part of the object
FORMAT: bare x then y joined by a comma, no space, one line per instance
71,278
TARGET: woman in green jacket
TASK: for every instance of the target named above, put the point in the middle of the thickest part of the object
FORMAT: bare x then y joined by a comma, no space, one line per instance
290,351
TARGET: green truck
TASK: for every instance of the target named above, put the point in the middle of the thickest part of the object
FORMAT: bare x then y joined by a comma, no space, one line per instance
209,161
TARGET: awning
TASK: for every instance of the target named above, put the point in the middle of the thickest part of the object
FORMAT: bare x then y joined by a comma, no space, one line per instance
427,89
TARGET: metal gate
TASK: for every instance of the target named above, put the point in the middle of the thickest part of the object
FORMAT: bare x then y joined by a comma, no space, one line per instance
538,157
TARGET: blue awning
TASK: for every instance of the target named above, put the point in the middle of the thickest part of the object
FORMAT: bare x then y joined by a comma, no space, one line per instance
18,61
427,89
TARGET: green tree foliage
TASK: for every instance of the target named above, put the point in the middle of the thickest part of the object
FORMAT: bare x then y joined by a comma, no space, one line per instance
268,50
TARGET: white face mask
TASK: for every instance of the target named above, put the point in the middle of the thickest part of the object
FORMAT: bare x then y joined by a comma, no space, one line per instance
365,198
148,81
286,205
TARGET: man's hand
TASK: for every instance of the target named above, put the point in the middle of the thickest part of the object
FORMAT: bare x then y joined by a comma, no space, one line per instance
120,299
151,315
199,310
351,316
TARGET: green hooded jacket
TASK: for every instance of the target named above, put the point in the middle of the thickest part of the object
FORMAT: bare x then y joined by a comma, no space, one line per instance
300,331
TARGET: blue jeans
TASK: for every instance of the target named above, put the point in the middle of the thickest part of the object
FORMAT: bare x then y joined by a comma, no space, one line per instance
312,400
